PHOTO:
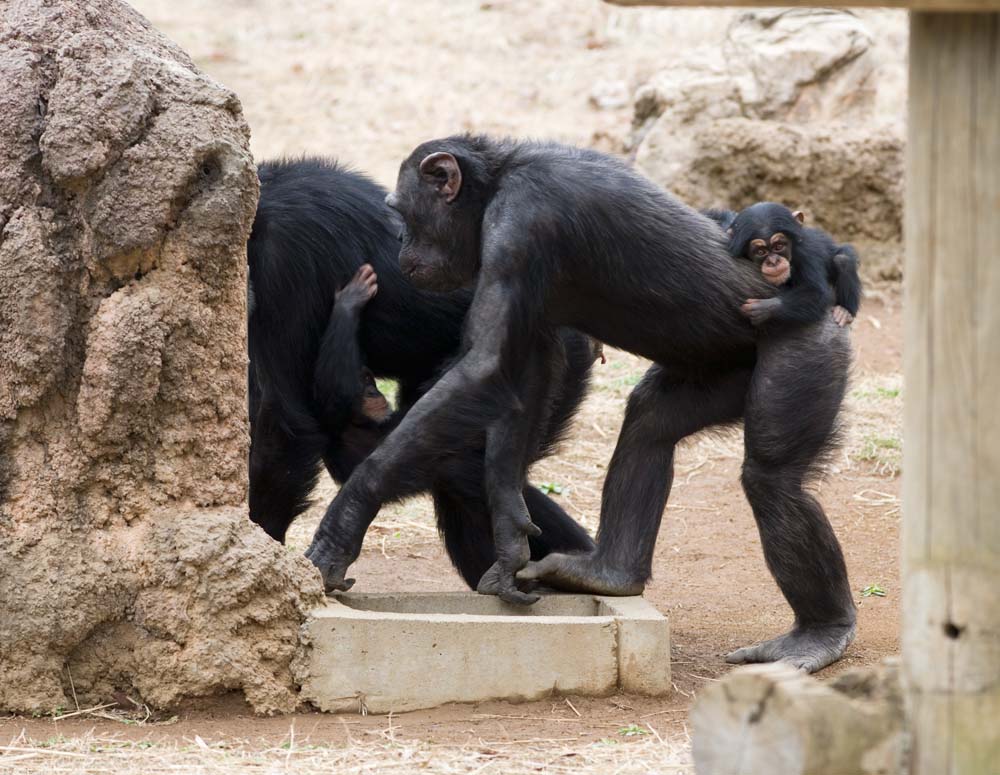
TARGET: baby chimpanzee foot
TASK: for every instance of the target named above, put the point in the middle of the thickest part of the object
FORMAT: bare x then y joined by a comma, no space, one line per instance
582,573
807,648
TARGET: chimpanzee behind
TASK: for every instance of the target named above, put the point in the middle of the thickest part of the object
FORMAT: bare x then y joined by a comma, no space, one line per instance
804,262
564,236
319,320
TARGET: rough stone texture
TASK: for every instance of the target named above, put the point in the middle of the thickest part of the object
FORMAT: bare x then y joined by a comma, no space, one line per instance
849,178
790,110
126,557
464,647
775,719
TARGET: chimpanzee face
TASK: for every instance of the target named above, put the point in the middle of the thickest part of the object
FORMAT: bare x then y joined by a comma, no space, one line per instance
773,256
374,405
439,239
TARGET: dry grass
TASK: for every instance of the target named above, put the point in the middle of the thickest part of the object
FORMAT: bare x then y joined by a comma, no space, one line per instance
875,422
383,751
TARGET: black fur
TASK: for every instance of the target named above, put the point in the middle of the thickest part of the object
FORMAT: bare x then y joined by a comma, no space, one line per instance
553,236
724,218
316,224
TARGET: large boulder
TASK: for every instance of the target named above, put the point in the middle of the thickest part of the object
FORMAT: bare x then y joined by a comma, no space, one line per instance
127,562
798,106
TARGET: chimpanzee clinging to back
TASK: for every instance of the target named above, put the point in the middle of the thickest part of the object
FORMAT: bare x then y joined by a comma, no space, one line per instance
813,272
554,236
328,309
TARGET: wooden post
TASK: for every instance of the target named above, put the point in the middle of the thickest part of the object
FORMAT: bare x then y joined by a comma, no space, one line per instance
951,487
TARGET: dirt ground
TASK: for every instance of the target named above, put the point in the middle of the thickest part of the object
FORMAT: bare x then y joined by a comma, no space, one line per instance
709,578
366,81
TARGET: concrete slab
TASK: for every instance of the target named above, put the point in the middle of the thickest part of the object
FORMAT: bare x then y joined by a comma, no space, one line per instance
396,652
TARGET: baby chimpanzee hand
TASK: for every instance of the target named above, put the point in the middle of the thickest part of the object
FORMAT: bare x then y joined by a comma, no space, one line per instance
362,287
842,316
760,310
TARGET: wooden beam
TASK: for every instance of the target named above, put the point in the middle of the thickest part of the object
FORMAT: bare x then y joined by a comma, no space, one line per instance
951,487
915,5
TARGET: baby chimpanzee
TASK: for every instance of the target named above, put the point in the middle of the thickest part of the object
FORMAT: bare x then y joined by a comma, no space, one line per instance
804,262
374,406
346,396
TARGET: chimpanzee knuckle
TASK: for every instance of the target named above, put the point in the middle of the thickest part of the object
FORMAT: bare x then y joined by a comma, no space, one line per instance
480,368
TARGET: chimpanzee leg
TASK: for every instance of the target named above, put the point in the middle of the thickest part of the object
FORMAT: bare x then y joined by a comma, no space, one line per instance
458,406
464,525
560,532
784,440
283,472
509,441
662,410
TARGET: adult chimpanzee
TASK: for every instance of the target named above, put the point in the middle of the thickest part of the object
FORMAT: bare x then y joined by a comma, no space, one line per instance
316,325
804,262
562,236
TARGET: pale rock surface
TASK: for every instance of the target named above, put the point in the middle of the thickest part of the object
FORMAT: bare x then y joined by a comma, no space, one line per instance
799,106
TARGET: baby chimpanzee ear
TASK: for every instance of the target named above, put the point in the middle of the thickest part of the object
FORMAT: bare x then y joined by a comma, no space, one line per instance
799,216
442,170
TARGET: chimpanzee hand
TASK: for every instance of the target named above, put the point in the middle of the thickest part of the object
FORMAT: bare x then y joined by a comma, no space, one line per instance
842,316
760,310
359,291
332,564
511,527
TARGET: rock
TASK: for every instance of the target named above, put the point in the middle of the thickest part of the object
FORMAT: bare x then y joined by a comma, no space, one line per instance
772,718
127,560
609,95
790,111
802,64
847,179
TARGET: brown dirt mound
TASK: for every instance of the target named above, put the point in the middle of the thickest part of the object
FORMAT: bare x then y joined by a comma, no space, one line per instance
126,194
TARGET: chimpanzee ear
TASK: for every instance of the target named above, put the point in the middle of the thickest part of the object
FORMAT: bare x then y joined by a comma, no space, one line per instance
442,170
799,216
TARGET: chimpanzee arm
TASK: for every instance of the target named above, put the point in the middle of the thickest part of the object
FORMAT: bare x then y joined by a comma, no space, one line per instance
471,388
337,381
804,302
846,282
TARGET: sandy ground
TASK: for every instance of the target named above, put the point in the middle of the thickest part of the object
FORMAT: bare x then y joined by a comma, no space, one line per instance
366,80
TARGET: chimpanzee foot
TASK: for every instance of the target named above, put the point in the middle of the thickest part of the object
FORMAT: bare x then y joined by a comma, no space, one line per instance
582,573
807,648
332,564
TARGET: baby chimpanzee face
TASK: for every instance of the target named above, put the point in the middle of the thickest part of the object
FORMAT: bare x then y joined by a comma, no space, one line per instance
765,233
774,257
374,405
